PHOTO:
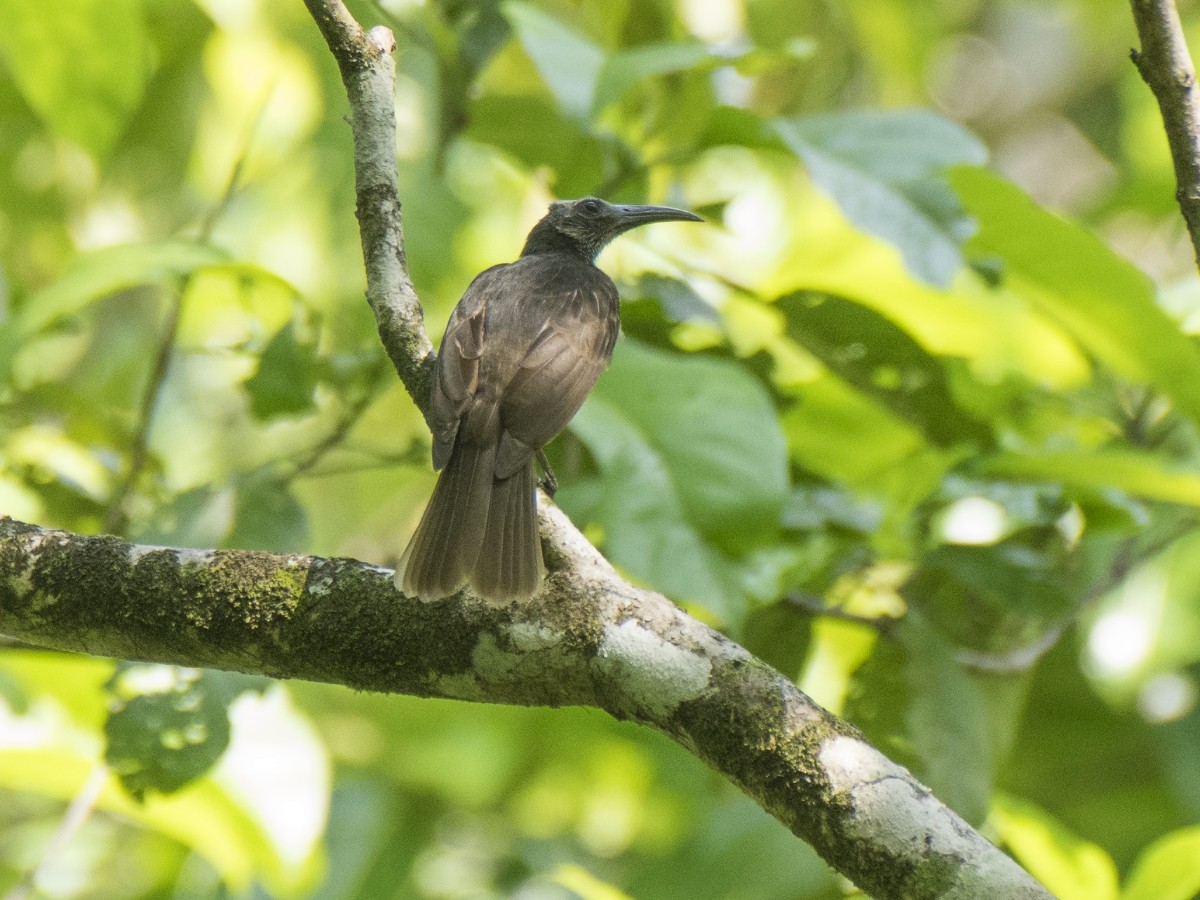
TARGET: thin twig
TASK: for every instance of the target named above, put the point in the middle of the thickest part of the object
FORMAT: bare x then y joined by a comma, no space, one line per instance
1124,561
815,605
77,813
116,517
416,454
341,427
1166,66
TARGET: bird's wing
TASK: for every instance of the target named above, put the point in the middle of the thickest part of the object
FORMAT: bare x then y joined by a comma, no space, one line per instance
456,376
557,372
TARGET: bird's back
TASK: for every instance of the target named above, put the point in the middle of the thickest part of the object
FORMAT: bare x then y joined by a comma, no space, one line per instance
522,350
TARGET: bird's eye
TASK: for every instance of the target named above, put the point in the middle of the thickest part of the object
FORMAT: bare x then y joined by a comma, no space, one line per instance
591,206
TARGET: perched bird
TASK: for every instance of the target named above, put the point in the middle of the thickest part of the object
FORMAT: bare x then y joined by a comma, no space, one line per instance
521,352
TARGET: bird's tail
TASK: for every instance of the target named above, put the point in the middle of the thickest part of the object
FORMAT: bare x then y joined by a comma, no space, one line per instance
476,528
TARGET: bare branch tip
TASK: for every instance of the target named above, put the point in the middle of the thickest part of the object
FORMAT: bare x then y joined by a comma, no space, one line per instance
381,36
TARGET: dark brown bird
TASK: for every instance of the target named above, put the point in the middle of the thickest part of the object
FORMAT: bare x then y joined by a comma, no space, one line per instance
522,350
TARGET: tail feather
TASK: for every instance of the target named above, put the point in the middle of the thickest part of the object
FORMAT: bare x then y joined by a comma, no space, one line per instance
476,527
509,566
446,545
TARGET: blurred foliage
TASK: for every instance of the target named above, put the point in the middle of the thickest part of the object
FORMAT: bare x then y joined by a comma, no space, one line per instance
922,434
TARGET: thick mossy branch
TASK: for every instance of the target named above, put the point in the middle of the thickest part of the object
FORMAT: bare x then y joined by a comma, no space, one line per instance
589,638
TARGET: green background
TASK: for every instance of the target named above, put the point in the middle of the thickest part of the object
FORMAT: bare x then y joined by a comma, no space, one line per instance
931,362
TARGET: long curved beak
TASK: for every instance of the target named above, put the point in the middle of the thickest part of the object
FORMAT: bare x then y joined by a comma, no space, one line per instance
632,216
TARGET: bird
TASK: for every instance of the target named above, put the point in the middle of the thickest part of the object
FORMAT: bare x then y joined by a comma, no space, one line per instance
521,352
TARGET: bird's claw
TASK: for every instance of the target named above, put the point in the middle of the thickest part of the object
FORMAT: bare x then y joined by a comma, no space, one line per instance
548,482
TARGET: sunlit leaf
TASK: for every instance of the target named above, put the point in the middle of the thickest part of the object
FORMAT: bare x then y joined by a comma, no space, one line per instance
883,361
1135,473
53,750
834,431
837,650
1169,869
96,275
1070,867
569,63
82,65
585,885
627,67
46,449
1073,276
201,817
884,168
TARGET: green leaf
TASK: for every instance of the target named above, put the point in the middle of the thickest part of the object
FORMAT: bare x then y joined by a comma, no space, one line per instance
82,66
268,516
779,635
821,507
568,62
1169,869
628,67
836,432
654,306
880,359
167,726
646,531
96,275
203,817
884,169
582,883
694,466
996,598
1070,867
286,380
716,430
916,702
1138,474
532,130
946,722
1072,276
200,518
12,694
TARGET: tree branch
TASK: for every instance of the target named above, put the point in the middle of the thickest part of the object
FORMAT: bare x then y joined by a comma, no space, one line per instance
589,638
369,75
1166,66
116,517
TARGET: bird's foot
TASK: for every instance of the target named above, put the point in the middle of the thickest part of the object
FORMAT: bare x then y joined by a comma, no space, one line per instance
548,483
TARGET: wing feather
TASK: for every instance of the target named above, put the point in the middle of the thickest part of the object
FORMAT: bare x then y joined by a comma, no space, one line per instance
559,329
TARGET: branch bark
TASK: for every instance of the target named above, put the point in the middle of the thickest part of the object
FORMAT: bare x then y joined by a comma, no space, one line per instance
369,75
1166,66
589,638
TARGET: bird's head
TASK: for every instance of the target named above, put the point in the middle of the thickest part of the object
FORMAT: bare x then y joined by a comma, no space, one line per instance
585,226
